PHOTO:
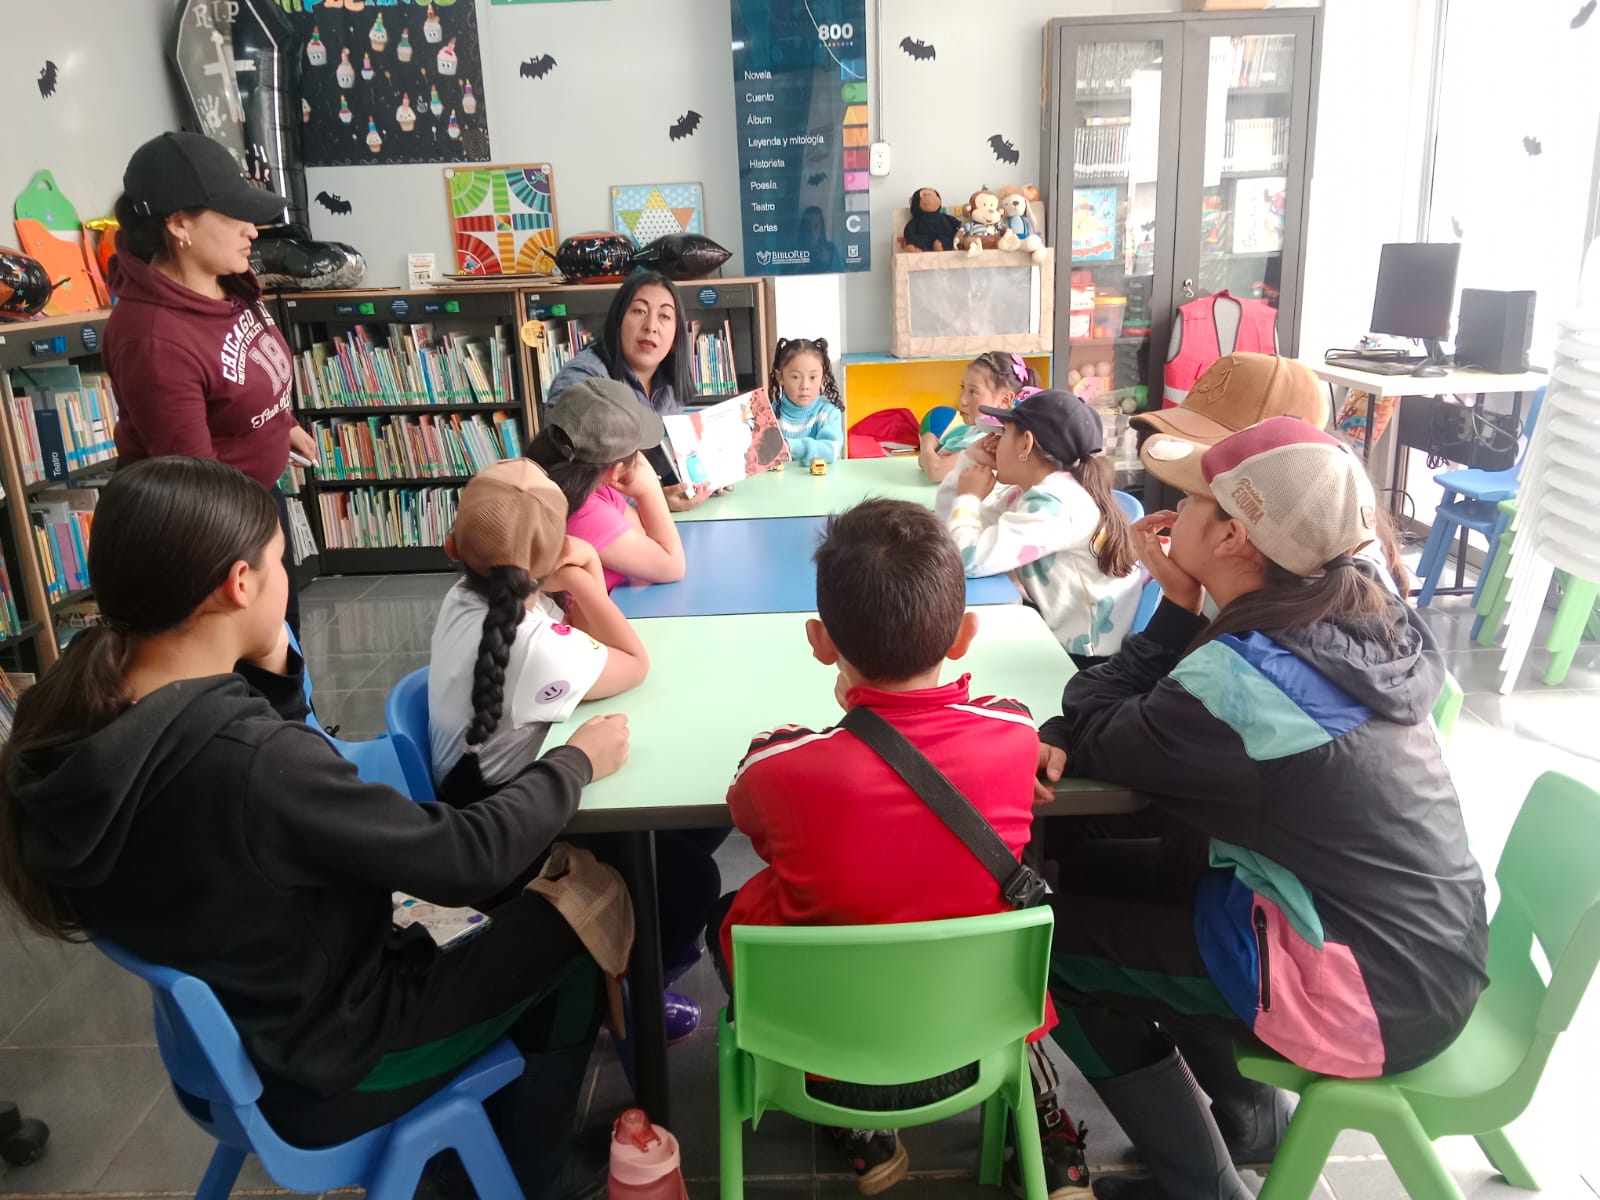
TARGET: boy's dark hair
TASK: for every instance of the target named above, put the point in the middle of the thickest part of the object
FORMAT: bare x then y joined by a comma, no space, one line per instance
890,588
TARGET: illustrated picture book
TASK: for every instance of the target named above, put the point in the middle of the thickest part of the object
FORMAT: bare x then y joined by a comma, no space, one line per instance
725,443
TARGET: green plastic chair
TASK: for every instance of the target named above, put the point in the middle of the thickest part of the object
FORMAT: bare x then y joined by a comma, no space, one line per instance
886,1004
1549,880
1448,707
1576,614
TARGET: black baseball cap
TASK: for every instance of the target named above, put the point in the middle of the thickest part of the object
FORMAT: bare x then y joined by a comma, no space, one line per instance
602,421
1066,428
178,171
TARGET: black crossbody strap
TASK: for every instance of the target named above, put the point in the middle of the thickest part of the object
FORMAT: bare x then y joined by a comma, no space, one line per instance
1020,886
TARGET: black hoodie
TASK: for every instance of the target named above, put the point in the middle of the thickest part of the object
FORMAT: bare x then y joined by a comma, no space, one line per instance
202,830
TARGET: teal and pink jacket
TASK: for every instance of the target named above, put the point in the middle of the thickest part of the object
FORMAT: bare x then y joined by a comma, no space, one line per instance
1343,918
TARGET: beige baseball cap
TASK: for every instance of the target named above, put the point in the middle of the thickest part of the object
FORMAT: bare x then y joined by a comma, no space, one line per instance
510,515
1303,497
1238,391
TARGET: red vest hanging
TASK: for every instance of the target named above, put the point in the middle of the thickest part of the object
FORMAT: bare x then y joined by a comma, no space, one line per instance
1203,335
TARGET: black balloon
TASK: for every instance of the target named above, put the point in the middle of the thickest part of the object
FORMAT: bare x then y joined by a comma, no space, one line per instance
682,256
237,66
299,264
595,257
25,285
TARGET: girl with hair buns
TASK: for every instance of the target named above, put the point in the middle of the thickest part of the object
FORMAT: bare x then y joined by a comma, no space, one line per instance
161,789
1311,889
994,378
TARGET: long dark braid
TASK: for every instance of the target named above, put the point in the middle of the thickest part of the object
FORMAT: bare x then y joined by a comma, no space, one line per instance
787,348
507,590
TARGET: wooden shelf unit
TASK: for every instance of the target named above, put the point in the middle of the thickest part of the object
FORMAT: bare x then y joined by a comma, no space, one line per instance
73,339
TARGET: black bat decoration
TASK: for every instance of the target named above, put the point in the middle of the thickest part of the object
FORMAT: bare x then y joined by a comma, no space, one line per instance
920,51
1584,13
1004,151
813,180
47,79
1533,146
684,126
333,203
537,68
1455,228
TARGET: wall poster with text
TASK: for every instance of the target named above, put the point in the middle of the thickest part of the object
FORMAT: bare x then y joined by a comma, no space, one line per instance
800,112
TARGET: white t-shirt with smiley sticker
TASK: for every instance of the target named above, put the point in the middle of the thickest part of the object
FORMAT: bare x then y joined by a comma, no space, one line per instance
551,668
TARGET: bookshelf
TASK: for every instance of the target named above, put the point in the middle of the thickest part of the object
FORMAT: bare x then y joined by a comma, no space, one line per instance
57,421
407,395
736,332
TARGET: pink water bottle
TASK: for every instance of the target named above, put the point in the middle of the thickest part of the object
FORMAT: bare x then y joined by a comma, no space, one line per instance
644,1161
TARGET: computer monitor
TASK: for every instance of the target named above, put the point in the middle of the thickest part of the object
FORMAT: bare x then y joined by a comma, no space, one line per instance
1416,291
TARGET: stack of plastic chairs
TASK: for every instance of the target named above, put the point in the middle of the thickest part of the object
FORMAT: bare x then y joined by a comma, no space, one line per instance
1554,525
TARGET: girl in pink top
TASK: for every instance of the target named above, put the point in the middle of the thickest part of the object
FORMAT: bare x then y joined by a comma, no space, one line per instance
590,446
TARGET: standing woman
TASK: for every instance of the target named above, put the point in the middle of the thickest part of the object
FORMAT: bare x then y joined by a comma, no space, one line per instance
198,365
645,343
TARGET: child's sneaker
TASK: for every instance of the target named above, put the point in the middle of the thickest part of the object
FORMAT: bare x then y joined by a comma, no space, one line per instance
1066,1176
875,1155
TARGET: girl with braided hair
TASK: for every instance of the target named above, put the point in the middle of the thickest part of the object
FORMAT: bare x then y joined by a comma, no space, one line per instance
506,663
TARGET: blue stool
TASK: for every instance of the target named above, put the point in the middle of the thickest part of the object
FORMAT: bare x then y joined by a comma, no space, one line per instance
1471,502
405,716
218,1088
1130,505
1149,601
376,761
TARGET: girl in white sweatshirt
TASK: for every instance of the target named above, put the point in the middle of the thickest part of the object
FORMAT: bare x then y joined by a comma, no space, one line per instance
1036,503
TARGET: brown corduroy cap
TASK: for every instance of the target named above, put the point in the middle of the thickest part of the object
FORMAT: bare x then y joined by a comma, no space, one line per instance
510,515
1238,391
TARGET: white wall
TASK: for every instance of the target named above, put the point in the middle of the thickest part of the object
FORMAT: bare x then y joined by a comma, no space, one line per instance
112,93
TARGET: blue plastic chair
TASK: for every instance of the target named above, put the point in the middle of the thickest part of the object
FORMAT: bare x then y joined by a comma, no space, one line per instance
1130,505
1471,501
218,1088
376,761
1149,601
405,716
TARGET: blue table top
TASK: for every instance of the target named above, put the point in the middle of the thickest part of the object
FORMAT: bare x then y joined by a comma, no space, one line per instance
755,566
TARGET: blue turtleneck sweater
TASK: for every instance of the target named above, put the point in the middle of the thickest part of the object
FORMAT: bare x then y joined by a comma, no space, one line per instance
813,432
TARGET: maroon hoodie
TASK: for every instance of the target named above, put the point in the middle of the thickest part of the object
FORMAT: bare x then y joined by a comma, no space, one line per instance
193,375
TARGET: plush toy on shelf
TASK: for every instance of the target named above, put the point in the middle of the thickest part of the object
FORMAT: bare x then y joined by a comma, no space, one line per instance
1020,233
930,227
983,227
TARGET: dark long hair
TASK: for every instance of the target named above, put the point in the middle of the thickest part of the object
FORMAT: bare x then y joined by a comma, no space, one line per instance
1343,594
577,481
787,349
676,364
1001,368
506,589
1113,537
143,236
166,533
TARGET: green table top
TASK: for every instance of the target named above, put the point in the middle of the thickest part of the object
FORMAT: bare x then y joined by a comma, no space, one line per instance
796,492
717,682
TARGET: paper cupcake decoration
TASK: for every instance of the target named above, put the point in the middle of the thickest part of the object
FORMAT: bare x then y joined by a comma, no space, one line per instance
469,102
454,129
366,68
379,35
405,116
305,110
345,73
374,138
435,105
432,31
403,50
447,58
316,52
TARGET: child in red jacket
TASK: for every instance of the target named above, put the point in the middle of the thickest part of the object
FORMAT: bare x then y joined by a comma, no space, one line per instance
847,841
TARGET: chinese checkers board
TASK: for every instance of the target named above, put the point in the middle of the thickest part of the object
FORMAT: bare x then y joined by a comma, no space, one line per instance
800,104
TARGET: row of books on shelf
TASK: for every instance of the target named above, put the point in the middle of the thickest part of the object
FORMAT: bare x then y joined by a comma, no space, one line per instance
66,420
557,344
712,367
10,621
12,684
301,541
392,518
423,447
1261,60
404,364
62,521
1255,144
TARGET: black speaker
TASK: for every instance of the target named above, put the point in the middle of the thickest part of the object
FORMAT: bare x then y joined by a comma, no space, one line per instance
1494,330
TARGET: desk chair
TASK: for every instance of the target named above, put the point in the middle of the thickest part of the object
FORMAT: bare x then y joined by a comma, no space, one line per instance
1149,601
218,1087
22,1138
376,761
886,1004
1550,894
1471,499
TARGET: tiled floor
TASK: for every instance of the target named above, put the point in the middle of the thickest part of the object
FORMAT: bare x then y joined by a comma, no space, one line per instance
76,1046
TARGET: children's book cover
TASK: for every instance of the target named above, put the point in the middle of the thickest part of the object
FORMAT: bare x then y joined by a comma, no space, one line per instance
725,443
1258,204
1094,224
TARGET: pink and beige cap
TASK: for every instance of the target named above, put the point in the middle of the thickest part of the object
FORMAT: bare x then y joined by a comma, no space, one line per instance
1302,496
510,515
1238,391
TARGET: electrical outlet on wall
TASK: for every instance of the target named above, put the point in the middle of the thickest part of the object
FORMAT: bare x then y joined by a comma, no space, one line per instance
878,159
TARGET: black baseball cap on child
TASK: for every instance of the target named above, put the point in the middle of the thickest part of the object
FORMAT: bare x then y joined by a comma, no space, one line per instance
1065,428
601,421
179,171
